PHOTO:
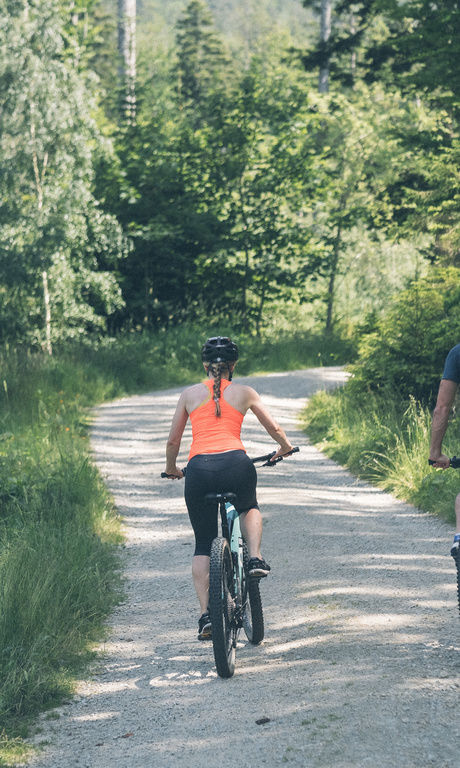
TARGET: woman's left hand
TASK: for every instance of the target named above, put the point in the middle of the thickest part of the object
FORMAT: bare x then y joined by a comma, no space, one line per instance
174,473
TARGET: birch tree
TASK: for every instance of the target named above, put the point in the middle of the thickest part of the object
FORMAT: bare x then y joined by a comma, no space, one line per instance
325,33
54,239
127,56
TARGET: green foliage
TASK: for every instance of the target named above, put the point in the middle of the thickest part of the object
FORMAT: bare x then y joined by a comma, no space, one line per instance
412,44
406,350
50,220
373,269
233,235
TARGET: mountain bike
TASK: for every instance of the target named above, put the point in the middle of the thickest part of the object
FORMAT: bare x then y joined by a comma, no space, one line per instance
455,464
234,596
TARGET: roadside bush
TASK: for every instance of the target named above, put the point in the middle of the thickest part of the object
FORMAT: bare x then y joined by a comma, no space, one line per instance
406,351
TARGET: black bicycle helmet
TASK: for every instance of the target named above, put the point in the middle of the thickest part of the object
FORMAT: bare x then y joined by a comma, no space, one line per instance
219,349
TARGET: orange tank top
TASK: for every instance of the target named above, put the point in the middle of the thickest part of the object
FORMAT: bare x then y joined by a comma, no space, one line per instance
215,434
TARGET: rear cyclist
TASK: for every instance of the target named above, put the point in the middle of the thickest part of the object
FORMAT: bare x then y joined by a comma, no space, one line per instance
218,461
446,396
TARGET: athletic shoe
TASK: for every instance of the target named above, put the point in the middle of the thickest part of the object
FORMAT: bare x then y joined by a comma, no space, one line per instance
455,551
204,627
258,568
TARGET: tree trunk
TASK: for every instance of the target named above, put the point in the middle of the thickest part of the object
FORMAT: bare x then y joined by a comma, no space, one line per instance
325,33
353,53
39,175
332,277
245,286
46,297
127,57
260,310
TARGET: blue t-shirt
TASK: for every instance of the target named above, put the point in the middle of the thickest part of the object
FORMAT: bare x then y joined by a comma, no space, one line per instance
452,365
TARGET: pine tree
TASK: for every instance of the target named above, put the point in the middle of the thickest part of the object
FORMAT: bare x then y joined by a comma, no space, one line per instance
202,60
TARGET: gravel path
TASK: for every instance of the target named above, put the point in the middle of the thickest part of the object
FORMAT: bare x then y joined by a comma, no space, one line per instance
360,665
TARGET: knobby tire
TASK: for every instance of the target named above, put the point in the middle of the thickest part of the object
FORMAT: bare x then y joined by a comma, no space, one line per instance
222,607
253,617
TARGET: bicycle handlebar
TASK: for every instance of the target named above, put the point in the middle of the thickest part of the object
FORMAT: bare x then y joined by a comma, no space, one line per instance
454,462
265,458
268,456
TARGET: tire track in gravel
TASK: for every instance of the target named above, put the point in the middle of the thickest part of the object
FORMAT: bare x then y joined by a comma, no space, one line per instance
360,665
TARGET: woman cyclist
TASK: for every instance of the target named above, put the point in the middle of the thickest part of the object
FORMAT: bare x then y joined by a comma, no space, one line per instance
218,461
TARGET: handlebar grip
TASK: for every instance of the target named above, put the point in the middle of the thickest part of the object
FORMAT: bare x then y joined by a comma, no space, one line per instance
270,463
454,462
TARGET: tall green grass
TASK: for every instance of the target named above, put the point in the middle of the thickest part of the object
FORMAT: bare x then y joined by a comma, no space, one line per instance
59,568
59,565
386,442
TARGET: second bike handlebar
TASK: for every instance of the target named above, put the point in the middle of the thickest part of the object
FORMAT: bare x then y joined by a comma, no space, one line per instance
265,459
454,462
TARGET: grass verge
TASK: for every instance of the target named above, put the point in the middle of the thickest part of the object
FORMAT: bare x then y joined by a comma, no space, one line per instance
386,443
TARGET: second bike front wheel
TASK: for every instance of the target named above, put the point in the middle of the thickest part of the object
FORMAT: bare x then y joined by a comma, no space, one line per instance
253,616
222,607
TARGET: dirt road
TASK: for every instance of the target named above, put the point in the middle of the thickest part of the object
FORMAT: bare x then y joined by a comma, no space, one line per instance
360,666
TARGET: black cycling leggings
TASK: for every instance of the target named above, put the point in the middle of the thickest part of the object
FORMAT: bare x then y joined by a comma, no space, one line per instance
231,471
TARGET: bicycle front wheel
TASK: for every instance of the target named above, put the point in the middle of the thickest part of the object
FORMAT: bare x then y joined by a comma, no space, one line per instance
222,607
253,616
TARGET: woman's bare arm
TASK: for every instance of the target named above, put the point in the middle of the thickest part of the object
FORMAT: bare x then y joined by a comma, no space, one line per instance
175,436
269,424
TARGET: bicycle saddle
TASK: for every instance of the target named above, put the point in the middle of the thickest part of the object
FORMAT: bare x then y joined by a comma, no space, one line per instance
231,497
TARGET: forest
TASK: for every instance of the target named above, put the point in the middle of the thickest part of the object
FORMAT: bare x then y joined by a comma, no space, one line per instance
285,172
235,164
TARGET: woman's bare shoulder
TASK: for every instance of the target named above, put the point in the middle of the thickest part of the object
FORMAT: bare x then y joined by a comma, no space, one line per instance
243,391
195,387
194,395
244,387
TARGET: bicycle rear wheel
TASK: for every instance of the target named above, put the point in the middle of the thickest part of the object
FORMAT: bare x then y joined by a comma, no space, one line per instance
253,616
222,607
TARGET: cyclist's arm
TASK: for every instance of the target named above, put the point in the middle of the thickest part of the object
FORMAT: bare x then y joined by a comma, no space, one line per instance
175,436
446,397
269,424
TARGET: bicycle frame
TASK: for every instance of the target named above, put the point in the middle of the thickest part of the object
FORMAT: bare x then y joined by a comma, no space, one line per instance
231,530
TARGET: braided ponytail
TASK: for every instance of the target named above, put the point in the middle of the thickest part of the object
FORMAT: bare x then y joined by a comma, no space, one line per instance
216,370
